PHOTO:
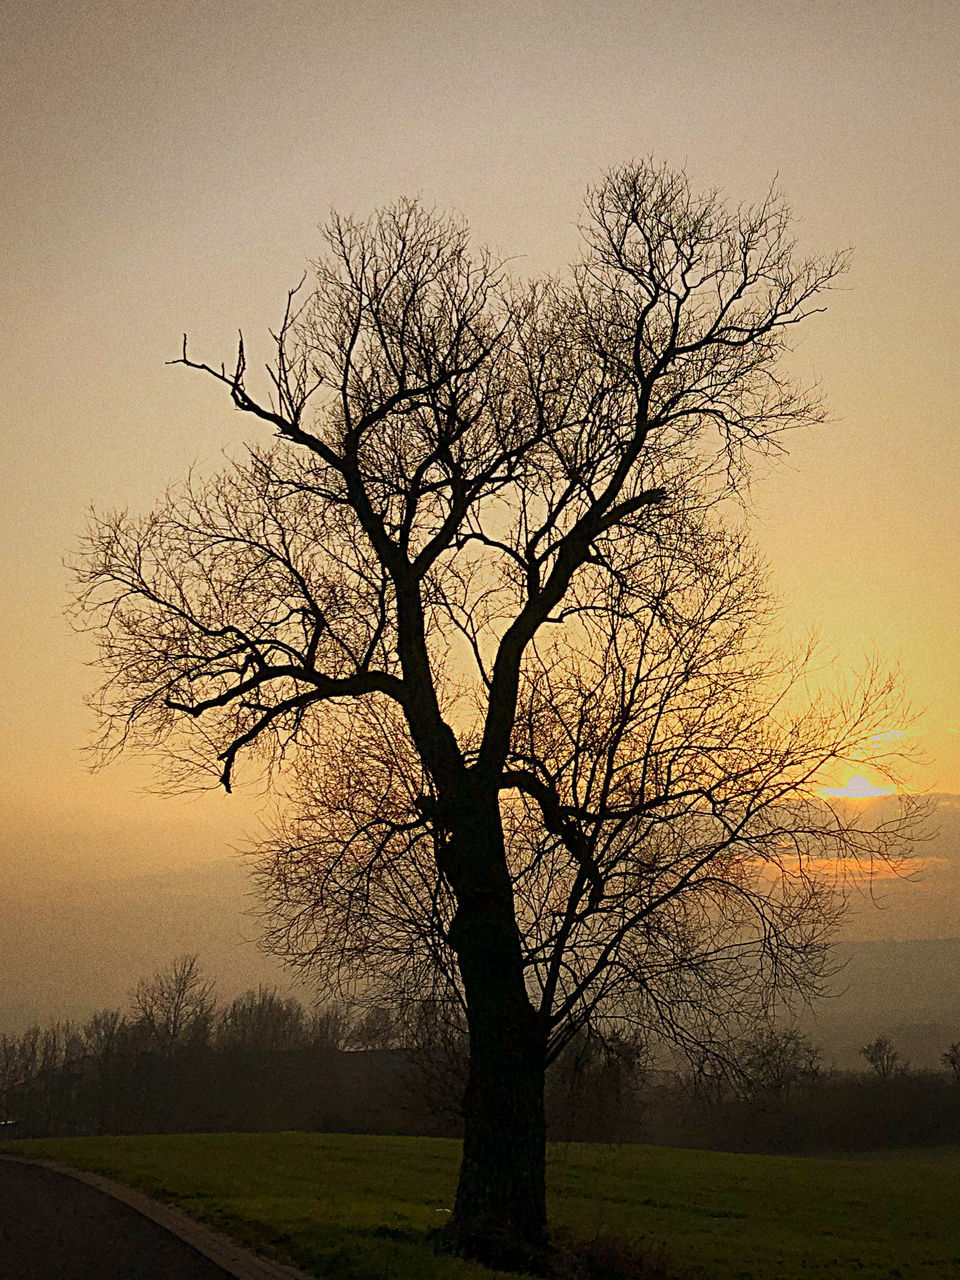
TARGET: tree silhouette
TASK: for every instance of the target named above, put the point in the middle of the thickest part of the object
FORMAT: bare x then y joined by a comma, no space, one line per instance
262,1020
884,1058
486,597
951,1059
175,1008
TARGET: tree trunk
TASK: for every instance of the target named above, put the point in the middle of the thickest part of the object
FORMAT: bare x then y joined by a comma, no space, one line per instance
500,1214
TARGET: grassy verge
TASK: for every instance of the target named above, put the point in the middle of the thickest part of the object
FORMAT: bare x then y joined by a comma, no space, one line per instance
361,1208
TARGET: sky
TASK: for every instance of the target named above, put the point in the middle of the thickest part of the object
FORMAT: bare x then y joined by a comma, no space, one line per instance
164,169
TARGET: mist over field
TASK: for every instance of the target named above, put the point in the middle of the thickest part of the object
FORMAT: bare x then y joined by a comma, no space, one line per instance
83,944
73,944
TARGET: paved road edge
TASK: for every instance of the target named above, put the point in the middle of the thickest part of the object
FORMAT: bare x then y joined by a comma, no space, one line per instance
226,1253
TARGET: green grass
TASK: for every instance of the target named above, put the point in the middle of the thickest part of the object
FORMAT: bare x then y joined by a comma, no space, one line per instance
361,1207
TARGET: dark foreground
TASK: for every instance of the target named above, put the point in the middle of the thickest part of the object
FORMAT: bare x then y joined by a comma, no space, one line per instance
53,1227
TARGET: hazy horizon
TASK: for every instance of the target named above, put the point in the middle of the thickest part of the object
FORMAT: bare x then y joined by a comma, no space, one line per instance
82,943
165,171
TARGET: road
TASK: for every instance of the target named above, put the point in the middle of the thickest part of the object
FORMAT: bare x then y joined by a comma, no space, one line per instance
58,1227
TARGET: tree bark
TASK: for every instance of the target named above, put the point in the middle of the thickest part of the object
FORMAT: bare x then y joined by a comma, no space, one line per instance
500,1213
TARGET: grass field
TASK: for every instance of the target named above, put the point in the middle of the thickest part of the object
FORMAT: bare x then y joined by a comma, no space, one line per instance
360,1207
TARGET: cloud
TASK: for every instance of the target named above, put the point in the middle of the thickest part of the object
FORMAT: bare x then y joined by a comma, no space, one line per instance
890,735
852,872
857,788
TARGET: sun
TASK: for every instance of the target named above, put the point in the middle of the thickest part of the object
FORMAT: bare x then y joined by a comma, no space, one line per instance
857,788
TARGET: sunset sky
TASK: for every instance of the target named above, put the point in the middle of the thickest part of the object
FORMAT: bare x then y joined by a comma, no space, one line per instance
164,169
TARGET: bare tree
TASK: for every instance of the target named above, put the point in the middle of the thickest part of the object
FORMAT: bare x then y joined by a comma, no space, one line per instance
777,1059
951,1059
103,1033
375,1029
329,1027
262,1020
105,1047
175,1007
480,595
674,872
884,1058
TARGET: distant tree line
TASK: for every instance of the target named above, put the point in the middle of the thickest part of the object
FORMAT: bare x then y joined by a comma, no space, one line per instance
178,1060
780,1097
